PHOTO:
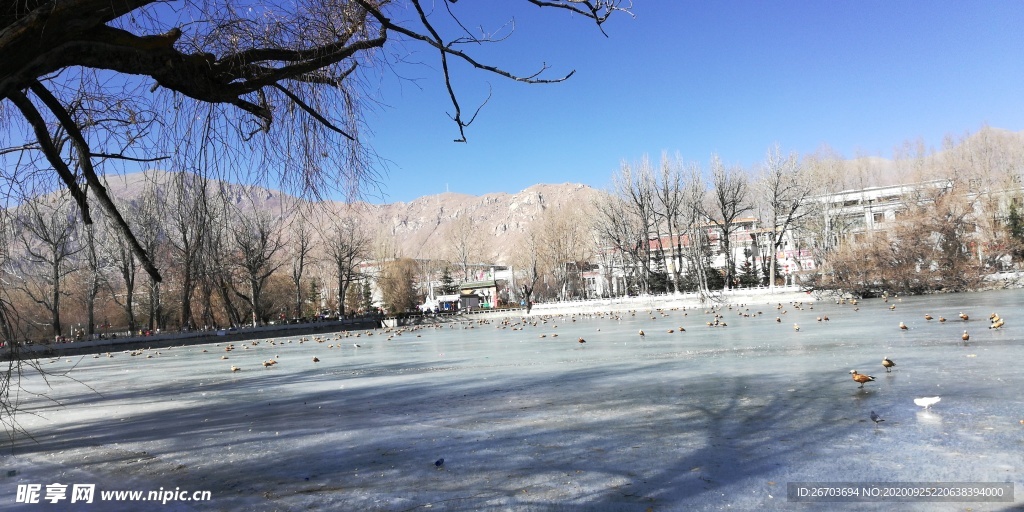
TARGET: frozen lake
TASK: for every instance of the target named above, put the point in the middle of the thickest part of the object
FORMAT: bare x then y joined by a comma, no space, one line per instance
527,418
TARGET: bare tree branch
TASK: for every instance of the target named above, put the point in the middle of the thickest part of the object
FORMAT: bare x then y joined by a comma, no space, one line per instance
316,115
51,152
92,179
128,158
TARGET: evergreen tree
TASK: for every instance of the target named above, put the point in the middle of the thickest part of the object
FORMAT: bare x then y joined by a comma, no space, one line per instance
448,286
367,297
749,276
716,278
659,282
1015,227
314,296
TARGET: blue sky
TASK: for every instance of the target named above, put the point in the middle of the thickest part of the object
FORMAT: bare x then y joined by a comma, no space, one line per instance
689,78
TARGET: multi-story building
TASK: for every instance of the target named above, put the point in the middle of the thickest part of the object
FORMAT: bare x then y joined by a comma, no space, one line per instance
856,215
748,241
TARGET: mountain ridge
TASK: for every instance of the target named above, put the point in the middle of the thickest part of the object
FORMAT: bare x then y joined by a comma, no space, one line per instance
420,228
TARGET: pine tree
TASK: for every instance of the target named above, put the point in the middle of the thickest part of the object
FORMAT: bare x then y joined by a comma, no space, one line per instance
447,283
749,276
367,297
1015,227
314,295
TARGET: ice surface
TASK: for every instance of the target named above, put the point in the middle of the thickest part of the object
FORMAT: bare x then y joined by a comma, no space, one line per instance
527,418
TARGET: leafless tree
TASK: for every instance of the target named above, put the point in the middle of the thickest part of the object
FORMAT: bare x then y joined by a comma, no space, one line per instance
117,251
397,283
987,165
346,246
431,271
630,219
625,236
216,267
730,198
698,246
13,332
785,191
825,224
49,238
300,250
565,247
188,217
96,265
607,258
257,235
151,229
676,209
221,276
526,261
463,241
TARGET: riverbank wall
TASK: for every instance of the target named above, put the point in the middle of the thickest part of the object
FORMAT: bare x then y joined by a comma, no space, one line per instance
177,339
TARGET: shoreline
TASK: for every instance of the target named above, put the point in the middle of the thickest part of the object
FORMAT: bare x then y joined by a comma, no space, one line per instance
180,339
749,296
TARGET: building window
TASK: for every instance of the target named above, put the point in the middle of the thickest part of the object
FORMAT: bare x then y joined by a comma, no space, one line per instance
879,217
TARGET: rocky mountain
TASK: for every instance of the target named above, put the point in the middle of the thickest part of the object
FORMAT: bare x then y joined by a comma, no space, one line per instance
423,227
499,221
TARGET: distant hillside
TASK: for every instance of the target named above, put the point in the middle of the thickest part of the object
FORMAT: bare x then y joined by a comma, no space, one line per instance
420,228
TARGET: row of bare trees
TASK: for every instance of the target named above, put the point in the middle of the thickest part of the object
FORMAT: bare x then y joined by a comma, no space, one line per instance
674,227
660,224
223,249
233,255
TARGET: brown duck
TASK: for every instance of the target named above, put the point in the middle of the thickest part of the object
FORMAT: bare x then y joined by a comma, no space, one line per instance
861,378
888,364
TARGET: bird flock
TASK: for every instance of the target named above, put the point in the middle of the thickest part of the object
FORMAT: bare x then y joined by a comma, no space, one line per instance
995,322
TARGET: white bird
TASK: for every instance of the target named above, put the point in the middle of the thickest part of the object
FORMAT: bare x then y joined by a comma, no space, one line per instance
927,401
